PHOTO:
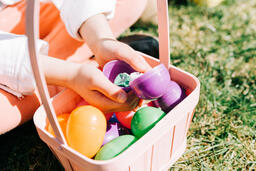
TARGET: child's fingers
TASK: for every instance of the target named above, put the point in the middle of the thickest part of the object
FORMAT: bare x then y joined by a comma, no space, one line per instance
105,104
106,87
133,58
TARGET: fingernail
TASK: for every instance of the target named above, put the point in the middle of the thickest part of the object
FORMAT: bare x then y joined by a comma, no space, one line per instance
122,97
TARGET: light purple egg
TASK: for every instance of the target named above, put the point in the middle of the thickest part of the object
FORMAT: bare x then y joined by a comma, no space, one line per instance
173,96
115,67
112,132
114,129
153,84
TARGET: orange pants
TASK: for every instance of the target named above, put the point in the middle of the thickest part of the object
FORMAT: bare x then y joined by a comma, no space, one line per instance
13,111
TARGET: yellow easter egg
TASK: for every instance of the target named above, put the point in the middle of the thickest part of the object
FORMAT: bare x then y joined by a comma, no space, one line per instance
63,119
86,129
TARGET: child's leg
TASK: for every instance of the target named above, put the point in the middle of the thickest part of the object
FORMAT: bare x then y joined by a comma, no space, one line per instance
16,111
12,18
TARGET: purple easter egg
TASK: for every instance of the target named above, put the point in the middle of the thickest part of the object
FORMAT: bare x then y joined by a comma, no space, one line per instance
114,129
173,96
112,132
115,67
153,84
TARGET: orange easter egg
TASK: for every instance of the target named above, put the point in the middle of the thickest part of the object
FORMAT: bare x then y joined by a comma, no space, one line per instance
86,129
63,118
83,102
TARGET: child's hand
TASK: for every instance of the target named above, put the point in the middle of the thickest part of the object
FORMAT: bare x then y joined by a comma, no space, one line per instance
99,37
90,83
98,91
110,49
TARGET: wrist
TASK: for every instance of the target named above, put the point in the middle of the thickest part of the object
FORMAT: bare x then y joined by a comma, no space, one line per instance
94,30
59,72
72,72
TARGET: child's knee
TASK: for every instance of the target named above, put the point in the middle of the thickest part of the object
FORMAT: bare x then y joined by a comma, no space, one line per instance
14,112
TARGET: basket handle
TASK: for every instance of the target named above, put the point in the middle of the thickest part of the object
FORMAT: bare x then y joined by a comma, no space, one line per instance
32,23
163,32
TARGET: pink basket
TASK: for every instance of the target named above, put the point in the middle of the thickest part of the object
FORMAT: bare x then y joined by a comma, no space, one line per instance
156,150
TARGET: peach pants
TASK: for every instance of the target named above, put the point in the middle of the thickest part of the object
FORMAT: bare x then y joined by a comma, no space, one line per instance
14,111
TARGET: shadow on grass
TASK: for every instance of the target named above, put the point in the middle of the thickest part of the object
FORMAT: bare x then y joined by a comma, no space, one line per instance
178,2
22,149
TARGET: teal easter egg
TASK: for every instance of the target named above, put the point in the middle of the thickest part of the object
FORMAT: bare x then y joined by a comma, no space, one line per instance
145,119
115,147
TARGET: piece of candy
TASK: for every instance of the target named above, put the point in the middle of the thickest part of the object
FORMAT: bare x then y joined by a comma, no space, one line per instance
145,119
122,80
115,147
86,129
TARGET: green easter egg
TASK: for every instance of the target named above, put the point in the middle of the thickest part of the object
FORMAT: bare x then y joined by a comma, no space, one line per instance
115,147
145,119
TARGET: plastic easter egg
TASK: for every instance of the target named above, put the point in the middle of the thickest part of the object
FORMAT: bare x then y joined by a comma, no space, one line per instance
112,132
63,119
83,102
125,118
152,84
108,115
145,119
86,129
173,96
114,129
188,91
115,147
114,68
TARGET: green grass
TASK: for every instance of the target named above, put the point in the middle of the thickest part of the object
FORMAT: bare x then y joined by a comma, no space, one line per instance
218,46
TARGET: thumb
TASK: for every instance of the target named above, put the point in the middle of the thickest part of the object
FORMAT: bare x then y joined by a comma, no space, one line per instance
106,87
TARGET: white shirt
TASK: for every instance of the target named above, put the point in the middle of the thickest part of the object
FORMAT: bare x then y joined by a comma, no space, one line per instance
15,70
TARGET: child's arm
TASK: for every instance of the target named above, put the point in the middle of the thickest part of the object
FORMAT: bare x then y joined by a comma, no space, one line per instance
90,83
99,37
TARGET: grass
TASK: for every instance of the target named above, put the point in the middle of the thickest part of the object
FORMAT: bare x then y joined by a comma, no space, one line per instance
218,46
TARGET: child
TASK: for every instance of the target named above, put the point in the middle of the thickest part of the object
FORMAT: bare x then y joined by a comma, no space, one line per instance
85,20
